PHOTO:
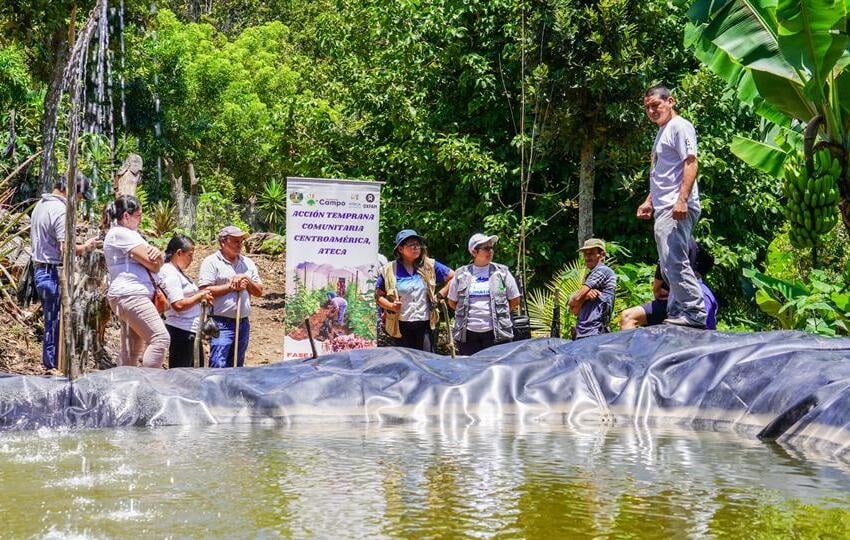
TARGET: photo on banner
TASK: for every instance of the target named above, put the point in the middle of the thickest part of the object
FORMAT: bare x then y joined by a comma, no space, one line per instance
332,264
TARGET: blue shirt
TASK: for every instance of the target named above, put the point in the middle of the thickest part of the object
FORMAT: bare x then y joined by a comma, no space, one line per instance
595,314
412,291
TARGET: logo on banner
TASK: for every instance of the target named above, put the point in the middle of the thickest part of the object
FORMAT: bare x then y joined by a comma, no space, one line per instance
296,197
370,197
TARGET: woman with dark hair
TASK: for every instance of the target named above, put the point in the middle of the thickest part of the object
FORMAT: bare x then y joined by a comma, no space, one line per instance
133,265
406,291
182,320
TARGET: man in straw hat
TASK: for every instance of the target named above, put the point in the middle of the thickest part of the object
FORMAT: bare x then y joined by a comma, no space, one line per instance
593,303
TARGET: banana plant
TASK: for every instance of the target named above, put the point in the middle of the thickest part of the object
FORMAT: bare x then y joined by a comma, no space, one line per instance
788,60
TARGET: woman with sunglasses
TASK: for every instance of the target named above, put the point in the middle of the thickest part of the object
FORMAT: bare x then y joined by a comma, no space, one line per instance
133,265
482,294
406,290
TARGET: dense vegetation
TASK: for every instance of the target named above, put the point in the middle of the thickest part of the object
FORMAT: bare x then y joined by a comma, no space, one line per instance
504,116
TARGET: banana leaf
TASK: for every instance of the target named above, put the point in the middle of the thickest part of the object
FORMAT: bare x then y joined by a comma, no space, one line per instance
759,155
812,36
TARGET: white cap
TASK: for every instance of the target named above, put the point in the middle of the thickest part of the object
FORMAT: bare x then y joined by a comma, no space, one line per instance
479,238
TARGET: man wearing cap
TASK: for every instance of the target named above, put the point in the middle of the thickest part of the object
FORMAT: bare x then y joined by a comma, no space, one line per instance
407,292
482,294
593,303
232,278
47,231
673,201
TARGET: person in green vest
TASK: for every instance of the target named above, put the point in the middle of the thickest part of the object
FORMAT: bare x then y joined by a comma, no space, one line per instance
407,292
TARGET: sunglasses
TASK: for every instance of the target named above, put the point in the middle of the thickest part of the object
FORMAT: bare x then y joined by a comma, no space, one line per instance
485,248
412,245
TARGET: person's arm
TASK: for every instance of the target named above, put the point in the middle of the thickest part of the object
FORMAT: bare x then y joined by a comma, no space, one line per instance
185,303
578,298
385,303
689,178
644,211
451,296
444,290
148,256
242,282
89,245
658,289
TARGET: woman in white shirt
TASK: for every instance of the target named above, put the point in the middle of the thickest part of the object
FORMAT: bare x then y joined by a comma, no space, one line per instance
133,265
182,320
482,294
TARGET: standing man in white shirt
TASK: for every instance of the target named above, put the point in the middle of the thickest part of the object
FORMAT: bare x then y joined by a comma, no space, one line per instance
232,278
47,232
673,201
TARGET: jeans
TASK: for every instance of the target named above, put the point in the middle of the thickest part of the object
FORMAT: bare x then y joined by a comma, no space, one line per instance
143,333
47,286
221,348
672,238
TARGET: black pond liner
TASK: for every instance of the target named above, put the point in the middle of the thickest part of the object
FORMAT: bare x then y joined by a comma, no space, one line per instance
785,386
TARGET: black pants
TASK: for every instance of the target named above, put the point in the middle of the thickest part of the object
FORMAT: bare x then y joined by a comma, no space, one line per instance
415,335
476,341
182,345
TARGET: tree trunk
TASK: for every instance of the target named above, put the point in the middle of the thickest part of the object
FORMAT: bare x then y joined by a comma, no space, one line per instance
128,176
191,209
585,191
47,171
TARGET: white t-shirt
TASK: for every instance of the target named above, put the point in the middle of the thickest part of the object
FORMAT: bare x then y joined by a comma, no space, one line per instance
674,142
177,287
216,270
479,318
126,276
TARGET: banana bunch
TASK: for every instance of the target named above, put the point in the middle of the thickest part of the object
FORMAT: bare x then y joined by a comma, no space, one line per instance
811,199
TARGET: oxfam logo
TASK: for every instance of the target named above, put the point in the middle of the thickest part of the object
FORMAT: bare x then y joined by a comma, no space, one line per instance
370,197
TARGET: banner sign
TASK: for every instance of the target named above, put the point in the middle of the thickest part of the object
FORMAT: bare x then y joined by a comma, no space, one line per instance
331,265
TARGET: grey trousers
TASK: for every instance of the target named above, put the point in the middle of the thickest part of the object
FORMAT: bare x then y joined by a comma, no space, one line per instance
671,239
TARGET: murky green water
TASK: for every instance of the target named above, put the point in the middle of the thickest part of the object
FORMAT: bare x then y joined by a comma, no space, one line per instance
413,481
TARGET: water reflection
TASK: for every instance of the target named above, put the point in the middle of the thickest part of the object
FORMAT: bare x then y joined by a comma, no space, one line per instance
445,480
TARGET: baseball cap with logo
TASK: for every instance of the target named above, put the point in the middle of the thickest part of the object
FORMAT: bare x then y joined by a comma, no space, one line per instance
479,238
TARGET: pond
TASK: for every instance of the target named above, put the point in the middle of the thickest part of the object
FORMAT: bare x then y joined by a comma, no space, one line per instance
415,479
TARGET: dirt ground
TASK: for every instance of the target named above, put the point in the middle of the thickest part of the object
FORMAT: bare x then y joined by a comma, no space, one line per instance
20,339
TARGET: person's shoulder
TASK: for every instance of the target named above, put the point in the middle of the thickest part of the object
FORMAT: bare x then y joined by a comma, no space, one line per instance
210,260
168,270
680,123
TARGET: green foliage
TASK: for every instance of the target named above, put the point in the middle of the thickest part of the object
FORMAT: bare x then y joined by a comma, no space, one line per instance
634,284
789,61
360,313
215,212
302,303
816,306
163,219
273,245
541,302
14,78
272,203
